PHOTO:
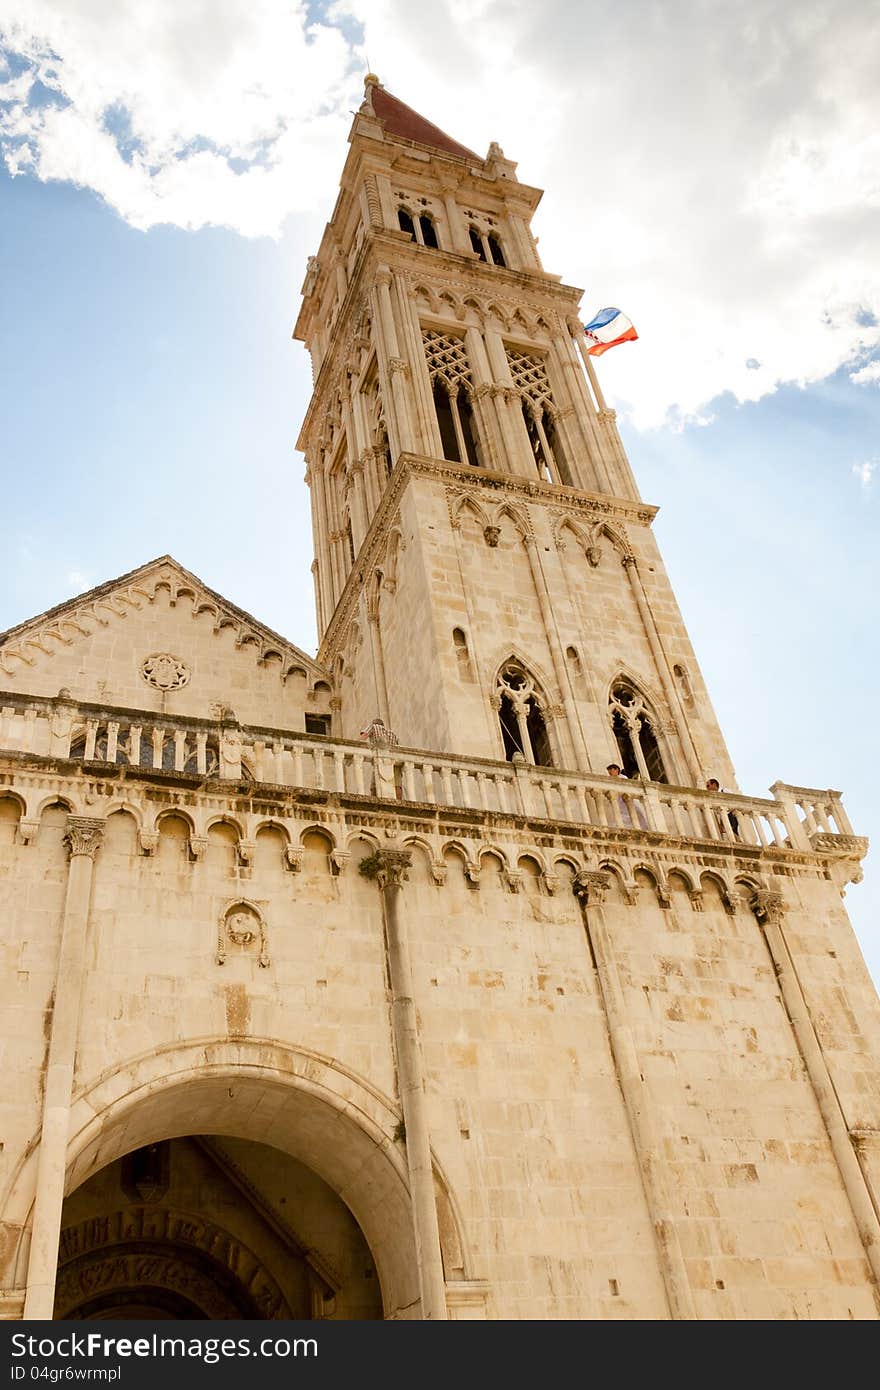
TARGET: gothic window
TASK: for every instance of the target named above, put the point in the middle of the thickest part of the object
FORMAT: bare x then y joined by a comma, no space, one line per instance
521,716
477,243
530,378
487,245
421,227
451,386
633,726
495,250
428,233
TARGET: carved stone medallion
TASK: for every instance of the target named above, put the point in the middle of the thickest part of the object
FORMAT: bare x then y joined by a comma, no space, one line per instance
165,672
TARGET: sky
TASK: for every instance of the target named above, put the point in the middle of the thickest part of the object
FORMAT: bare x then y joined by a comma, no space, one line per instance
711,169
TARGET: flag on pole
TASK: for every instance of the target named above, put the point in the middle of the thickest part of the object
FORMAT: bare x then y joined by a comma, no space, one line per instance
608,328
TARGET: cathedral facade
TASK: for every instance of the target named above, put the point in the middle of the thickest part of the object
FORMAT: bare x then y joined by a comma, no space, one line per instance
424,978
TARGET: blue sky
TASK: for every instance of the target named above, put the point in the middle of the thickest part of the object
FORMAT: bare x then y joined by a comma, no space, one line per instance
151,392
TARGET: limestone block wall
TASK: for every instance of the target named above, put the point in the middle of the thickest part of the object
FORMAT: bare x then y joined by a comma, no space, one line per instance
539,1020
483,574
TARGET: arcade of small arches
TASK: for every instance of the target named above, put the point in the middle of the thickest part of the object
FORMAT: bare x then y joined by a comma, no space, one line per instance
277,846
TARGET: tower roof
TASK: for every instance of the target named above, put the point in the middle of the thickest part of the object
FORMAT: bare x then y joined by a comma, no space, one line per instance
401,120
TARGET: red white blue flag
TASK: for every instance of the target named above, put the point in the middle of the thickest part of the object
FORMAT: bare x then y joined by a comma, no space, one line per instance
606,330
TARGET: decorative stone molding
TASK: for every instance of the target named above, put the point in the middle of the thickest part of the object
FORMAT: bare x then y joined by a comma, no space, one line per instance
293,857
27,830
338,860
768,906
391,867
594,555
243,925
165,672
438,872
148,841
492,535
551,883
512,879
590,887
84,835
197,847
246,849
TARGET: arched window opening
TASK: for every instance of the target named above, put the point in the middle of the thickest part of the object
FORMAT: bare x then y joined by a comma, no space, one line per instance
446,421
538,442
495,250
633,726
510,733
405,222
429,234
651,751
459,642
477,243
521,716
563,473
538,736
450,375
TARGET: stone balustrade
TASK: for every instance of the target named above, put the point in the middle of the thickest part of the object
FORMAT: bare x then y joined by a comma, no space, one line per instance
797,818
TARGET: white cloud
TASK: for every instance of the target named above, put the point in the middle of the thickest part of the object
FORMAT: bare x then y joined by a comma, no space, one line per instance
77,582
865,472
714,170
869,373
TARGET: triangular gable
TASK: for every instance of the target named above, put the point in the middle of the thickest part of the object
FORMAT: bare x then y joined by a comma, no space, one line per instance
100,638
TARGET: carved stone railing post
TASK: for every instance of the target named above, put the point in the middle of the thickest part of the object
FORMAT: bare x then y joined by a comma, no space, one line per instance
770,909
590,889
390,872
83,838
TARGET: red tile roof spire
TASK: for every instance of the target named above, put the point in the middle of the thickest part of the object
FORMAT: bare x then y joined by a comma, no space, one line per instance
400,120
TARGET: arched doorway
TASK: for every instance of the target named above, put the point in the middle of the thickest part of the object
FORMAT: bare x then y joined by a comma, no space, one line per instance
211,1227
339,1129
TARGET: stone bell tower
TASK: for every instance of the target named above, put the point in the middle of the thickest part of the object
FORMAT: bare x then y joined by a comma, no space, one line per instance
487,581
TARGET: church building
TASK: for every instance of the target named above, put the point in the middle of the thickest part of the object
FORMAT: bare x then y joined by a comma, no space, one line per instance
425,978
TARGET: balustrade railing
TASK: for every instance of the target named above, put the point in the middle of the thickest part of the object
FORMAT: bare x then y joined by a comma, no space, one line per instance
796,818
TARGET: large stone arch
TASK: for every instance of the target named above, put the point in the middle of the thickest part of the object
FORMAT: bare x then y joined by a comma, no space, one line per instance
312,1108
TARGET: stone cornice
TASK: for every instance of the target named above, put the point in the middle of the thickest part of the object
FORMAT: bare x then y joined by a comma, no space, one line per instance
462,478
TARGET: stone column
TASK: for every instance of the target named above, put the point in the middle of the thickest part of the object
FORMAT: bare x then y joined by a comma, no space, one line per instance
83,838
769,908
590,889
392,865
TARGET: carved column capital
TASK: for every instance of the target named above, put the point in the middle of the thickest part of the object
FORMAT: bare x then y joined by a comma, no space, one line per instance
590,887
148,841
392,866
768,906
84,835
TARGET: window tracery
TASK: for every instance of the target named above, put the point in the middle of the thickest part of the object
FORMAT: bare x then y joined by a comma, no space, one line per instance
634,727
452,386
521,716
529,373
